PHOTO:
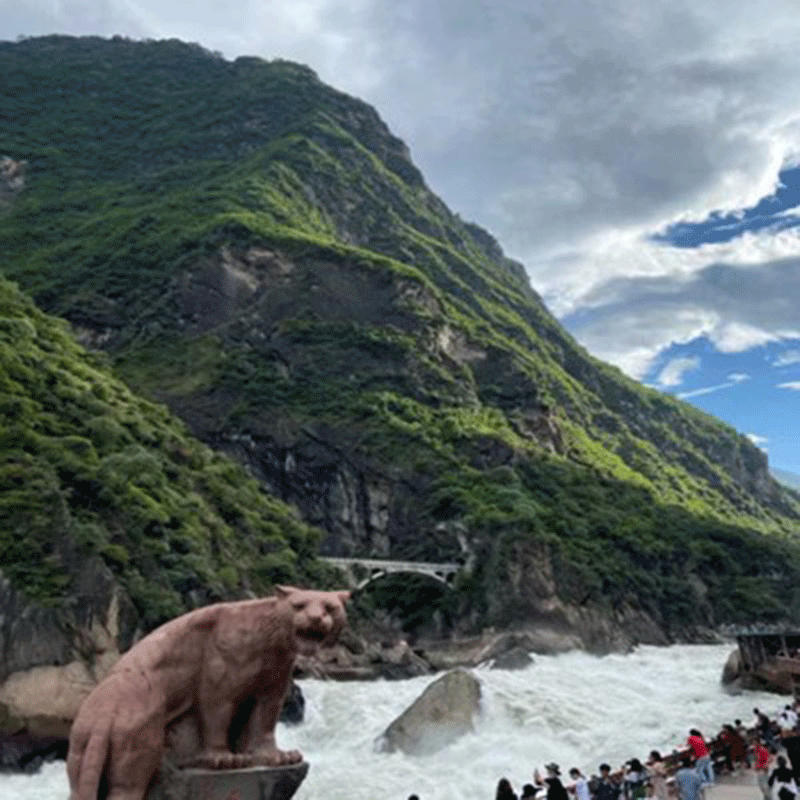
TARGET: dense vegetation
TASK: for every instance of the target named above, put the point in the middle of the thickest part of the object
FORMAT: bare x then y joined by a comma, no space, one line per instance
257,251
89,468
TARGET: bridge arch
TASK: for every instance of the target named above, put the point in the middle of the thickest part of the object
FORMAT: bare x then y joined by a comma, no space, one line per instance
360,572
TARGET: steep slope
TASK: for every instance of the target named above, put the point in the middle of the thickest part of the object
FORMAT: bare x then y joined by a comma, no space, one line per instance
103,493
256,250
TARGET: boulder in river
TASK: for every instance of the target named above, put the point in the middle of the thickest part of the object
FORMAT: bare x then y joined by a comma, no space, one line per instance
769,676
441,714
23,751
509,651
294,706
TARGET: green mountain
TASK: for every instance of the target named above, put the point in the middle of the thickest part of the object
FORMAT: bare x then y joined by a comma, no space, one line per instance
257,251
90,471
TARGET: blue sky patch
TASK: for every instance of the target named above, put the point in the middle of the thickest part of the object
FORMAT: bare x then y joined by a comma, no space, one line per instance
769,213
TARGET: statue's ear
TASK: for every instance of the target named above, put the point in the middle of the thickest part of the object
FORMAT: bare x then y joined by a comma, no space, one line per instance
344,596
285,591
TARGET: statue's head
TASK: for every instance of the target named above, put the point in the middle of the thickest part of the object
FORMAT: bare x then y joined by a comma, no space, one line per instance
317,617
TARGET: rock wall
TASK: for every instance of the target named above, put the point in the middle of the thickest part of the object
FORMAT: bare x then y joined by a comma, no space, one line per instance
52,658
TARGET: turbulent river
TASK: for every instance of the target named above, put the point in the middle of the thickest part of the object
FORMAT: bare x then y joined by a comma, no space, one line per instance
575,709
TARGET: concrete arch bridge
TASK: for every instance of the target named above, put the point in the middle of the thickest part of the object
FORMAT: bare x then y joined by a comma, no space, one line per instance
361,571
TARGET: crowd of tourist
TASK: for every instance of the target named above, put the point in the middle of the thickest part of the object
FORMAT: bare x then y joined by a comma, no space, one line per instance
769,747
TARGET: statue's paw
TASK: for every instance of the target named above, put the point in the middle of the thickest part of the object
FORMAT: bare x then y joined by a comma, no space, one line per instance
277,758
291,756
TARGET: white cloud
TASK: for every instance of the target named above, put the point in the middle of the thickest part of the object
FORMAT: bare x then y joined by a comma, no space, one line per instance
787,358
738,377
707,390
793,385
673,372
736,337
758,441
632,337
735,306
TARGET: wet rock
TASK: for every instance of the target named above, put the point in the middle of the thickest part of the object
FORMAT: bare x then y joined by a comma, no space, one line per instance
444,712
509,651
24,752
516,658
294,706
732,670
770,676
400,662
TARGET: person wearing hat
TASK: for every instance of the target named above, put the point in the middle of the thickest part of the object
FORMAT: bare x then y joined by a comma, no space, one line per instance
555,789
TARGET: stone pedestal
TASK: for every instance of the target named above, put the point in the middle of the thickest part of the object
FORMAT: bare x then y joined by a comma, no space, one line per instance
254,783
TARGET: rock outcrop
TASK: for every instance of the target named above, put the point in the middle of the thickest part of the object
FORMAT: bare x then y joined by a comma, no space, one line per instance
53,659
445,711
509,651
12,179
23,751
767,677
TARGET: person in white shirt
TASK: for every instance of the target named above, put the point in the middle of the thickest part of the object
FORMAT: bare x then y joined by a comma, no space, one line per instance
579,786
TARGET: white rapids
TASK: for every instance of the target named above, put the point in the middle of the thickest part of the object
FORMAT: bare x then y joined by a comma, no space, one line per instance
574,709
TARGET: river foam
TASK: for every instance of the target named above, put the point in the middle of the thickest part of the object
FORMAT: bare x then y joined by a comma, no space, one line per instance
574,709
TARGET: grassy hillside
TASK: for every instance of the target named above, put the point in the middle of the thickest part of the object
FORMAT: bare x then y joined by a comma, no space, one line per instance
257,251
87,468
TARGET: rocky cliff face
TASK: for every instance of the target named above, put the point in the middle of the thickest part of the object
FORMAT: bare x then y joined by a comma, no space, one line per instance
263,257
12,179
52,658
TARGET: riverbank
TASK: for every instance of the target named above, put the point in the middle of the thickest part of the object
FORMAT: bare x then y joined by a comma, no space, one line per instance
371,653
572,708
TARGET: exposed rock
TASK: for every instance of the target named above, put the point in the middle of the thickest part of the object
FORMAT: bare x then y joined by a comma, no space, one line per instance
732,671
516,658
294,706
733,667
401,661
507,643
440,715
12,179
355,657
49,667
45,700
768,677
23,751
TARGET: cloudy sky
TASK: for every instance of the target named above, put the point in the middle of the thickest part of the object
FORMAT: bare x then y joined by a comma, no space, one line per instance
641,157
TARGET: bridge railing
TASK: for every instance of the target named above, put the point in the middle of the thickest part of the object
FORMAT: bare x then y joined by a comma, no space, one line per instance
374,568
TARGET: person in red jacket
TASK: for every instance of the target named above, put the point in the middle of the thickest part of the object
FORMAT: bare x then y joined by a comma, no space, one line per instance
762,758
702,758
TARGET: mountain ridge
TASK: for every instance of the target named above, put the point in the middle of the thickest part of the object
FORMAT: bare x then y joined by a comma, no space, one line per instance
257,251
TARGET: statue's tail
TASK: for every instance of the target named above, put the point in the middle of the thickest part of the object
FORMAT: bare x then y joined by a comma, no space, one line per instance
88,753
